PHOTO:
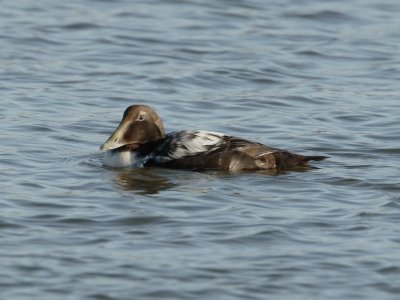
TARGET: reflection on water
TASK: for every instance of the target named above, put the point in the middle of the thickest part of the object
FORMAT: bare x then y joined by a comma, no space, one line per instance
142,180
147,181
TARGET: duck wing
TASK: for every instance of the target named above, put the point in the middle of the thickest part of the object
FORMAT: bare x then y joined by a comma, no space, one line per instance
181,144
213,150
206,150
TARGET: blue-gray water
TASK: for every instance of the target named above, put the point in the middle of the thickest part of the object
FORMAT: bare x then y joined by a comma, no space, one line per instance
314,77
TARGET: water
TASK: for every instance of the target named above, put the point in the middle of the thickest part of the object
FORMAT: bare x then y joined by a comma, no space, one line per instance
314,77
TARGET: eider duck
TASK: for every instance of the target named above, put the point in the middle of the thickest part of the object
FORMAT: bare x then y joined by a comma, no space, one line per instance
140,141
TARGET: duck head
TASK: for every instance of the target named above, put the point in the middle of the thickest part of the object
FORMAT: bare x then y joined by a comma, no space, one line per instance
139,125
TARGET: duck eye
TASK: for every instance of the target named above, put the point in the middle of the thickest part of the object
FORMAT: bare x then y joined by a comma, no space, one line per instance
141,118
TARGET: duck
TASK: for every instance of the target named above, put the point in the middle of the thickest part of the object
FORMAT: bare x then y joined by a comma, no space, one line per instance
140,141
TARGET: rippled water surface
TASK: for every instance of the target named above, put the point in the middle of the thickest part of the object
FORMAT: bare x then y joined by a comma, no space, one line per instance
314,77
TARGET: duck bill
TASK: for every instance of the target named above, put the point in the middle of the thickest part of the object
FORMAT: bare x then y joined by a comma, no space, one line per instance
112,142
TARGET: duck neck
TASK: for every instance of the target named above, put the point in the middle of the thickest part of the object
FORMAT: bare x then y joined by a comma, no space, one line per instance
141,149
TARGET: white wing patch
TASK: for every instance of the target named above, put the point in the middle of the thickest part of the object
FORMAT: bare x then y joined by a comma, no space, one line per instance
197,142
187,143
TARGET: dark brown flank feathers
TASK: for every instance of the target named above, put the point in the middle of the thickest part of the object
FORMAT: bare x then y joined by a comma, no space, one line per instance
141,131
238,154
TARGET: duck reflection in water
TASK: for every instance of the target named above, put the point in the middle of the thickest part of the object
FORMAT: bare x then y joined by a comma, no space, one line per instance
150,181
145,181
